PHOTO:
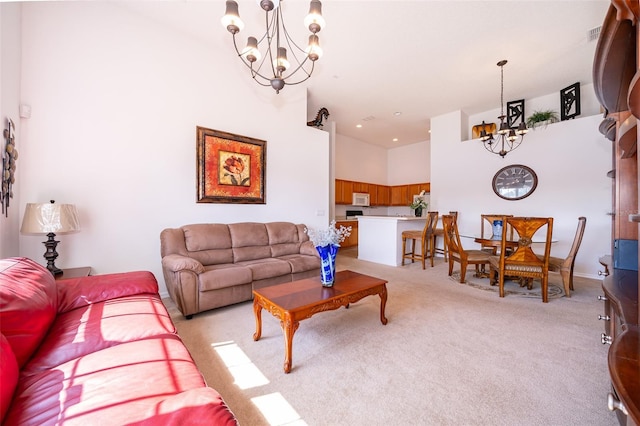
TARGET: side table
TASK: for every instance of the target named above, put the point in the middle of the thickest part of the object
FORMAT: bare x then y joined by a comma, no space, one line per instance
83,271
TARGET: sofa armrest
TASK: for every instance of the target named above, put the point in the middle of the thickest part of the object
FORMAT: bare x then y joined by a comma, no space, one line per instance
77,292
178,263
309,249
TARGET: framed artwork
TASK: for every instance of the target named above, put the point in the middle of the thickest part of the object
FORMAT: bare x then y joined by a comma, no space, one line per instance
231,168
570,101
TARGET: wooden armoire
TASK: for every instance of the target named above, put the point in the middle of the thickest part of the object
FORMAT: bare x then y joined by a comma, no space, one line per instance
616,75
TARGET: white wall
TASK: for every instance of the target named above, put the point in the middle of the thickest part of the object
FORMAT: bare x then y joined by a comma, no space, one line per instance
571,159
116,98
10,45
360,161
409,164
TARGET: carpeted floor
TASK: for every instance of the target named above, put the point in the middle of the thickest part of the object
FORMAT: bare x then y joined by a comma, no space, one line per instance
451,354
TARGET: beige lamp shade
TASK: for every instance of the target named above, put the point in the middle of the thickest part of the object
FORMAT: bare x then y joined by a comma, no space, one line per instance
50,217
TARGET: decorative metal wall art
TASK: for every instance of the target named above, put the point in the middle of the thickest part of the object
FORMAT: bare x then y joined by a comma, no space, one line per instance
317,122
515,113
570,101
9,157
231,168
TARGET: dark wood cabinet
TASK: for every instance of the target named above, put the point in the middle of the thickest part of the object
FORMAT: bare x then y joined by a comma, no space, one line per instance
616,75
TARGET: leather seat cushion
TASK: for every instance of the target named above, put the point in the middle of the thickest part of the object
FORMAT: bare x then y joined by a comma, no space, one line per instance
226,275
267,268
94,327
122,384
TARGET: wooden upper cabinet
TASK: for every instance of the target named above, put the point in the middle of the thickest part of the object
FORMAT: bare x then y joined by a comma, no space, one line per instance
361,187
399,195
379,195
384,195
373,194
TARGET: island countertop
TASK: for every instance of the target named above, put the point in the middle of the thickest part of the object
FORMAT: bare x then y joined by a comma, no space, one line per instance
380,237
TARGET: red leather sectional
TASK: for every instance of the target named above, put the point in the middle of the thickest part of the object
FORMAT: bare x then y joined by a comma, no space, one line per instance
95,350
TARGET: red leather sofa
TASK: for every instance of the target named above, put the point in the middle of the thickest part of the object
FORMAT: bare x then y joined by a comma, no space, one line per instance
98,350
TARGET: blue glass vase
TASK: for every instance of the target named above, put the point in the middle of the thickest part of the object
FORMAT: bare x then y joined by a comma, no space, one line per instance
328,264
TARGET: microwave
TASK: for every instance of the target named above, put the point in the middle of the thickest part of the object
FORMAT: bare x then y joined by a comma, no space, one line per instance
360,199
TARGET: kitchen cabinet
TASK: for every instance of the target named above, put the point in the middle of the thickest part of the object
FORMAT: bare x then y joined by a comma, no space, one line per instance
379,195
384,195
399,195
343,191
373,194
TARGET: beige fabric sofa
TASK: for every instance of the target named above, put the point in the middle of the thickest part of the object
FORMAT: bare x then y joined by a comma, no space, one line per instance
207,266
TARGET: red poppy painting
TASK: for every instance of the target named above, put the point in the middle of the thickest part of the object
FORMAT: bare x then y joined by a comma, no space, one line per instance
231,168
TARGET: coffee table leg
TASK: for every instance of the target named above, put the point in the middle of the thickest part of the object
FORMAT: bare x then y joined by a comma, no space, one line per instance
289,327
383,303
257,310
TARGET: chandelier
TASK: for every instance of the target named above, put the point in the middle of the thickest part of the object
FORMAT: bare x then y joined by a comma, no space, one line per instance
274,68
508,138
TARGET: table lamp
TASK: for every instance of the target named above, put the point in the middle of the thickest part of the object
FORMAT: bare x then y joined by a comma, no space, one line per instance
49,219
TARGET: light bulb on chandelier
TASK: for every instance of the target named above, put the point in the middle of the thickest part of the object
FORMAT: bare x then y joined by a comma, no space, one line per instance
274,39
508,138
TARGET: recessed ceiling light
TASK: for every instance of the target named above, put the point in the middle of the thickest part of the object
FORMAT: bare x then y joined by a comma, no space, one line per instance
395,139
397,113
358,125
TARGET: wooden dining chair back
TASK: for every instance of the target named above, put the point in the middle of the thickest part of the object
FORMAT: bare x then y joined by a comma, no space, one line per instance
523,262
426,238
486,229
457,253
439,232
565,266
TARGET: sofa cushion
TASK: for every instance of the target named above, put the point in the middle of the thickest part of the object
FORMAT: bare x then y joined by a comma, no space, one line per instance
302,263
208,243
28,305
267,268
250,241
91,328
116,385
221,276
282,232
8,375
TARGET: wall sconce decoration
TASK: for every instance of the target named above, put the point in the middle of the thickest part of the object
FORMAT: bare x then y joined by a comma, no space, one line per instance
9,156
49,218
570,101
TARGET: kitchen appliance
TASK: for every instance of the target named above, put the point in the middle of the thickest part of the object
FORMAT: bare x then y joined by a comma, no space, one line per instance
360,199
351,214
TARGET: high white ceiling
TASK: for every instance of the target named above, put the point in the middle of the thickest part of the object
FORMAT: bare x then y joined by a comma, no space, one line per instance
420,58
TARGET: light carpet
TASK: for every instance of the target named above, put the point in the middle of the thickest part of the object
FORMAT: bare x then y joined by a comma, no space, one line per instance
450,355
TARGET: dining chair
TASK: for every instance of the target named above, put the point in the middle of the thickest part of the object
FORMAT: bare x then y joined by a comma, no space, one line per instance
523,262
565,266
457,253
425,236
439,232
487,220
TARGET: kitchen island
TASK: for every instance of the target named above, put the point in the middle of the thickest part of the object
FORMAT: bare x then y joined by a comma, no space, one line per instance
380,237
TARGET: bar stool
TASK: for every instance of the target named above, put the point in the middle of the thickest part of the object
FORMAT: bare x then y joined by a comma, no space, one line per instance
425,236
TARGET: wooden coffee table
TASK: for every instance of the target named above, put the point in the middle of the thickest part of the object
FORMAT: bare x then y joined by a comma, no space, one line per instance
299,300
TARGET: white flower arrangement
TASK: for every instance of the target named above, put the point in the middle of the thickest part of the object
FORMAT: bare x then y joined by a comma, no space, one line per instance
328,236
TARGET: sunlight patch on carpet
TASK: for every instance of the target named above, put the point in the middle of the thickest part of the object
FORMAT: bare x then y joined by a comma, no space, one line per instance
277,410
510,287
245,373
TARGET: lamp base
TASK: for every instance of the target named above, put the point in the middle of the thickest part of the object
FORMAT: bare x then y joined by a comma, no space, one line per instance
51,254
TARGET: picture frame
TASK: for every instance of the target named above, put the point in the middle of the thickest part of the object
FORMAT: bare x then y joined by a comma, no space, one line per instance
230,168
